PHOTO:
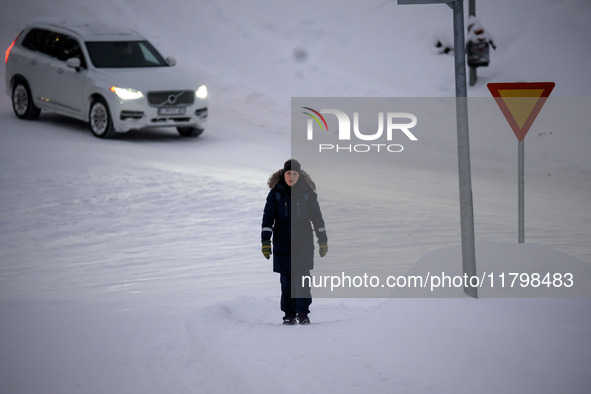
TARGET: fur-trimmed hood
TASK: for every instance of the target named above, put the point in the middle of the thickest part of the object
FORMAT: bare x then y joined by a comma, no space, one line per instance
278,175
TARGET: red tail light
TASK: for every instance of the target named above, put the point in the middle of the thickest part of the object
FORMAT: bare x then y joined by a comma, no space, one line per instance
8,50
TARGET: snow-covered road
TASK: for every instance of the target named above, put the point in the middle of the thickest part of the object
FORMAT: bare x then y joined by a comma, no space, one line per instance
154,219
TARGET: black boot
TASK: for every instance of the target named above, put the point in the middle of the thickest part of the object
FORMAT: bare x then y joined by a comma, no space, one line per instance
303,318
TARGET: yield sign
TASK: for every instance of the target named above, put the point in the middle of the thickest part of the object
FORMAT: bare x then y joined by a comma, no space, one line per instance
521,102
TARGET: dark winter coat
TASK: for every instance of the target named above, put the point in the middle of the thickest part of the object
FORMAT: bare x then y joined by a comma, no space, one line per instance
286,219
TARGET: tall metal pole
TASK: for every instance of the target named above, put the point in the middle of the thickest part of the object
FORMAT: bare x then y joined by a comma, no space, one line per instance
521,192
466,208
465,176
472,12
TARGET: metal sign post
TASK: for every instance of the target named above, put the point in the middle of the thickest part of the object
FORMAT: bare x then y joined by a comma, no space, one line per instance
464,172
520,192
521,102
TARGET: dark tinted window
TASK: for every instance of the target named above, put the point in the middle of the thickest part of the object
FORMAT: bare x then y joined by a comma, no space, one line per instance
124,54
69,48
37,39
54,44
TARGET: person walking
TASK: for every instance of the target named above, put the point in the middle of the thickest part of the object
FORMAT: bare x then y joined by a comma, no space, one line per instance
290,209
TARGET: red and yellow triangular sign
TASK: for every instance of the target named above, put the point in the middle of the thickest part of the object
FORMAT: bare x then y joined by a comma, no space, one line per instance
521,102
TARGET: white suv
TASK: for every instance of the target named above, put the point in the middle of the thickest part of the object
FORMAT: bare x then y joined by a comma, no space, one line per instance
109,76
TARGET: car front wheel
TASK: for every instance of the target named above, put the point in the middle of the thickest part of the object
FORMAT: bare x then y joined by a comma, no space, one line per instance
22,102
99,119
189,131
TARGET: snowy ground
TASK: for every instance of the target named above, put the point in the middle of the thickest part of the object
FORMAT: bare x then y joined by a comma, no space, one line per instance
133,265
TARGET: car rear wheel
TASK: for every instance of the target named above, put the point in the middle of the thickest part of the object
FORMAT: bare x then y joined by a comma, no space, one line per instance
22,102
189,131
99,119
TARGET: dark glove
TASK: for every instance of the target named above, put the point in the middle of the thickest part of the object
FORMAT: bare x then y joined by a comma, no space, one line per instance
266,249
323,249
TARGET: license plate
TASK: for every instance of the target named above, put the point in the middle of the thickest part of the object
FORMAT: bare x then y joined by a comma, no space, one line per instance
171,111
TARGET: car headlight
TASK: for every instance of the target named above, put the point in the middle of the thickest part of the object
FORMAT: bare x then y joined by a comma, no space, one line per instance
127,94
201,92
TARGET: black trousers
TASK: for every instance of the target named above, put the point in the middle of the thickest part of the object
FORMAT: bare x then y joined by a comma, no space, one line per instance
295,298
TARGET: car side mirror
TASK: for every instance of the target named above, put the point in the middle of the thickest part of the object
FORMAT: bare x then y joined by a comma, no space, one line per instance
171,61
73,62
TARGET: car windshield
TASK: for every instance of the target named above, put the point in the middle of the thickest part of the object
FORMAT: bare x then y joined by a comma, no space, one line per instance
124,54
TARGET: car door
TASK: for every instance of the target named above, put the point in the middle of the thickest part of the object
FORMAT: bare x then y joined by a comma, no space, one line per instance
68,83
35,63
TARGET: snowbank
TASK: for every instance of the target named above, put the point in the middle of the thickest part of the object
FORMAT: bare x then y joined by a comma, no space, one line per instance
239,345
504,270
